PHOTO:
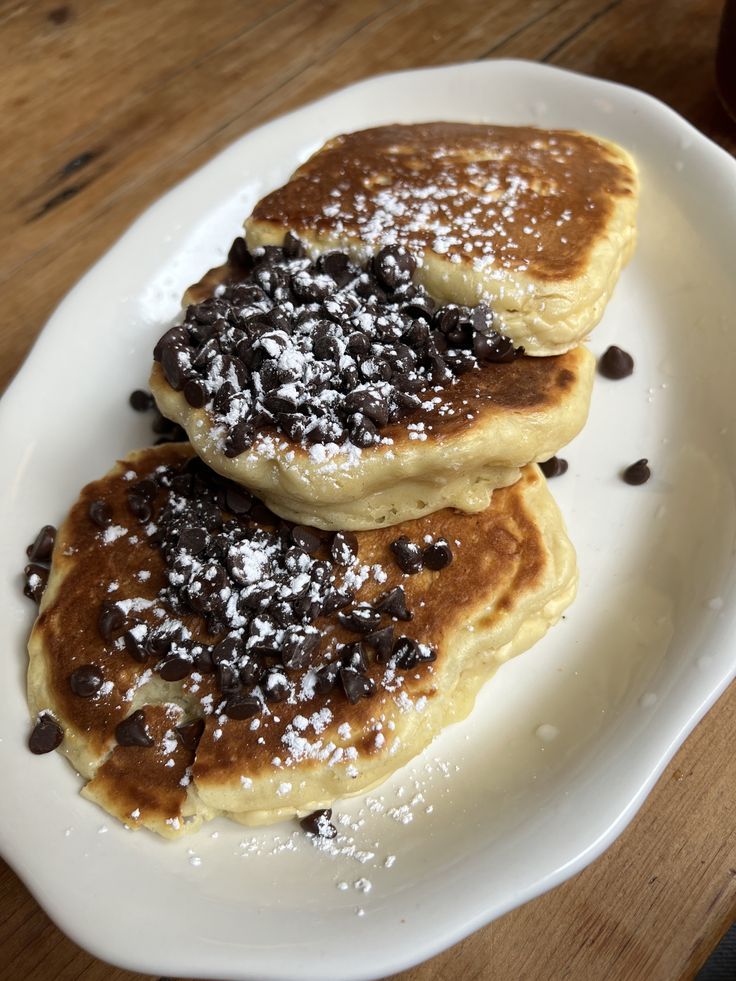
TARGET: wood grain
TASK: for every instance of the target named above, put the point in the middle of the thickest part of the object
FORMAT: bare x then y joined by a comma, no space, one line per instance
106,105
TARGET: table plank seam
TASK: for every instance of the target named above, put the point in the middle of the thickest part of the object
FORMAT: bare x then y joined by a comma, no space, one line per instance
560,45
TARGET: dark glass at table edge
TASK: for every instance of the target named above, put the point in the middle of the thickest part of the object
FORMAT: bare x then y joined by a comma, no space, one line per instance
726,59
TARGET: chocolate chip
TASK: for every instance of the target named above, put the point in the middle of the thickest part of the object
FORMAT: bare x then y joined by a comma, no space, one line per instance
250,670
363,432
353,656
171,363
134,646
239,255
421,306
369,289
223,399
306,538
408,653
195,393
495,348
46,735
361,619
324,431
406,403
637,473
43,545
379,369
437,555
207,354
554,467
203,592
165,476
209,311
111,620
298,646
227,651
311,289
238,570
237,499
242,706
615,363
215,625
190,733
356,685
382,643
275,684
326,678
358,345
481,319
344,548
294,425
273,342
439,370
336,265
36,569
336,599
240,439
318,823
405,652
401,358
159,642
293,248
203,659
133,731
393,266
393,603
326,348
193,539
370,404
321,571
37,577
175,668
280,404
86,681
408,555
100,514
418,336
139,506
283,613
146,488
141,401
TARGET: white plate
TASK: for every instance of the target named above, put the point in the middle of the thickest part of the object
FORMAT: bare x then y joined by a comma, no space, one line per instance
644,651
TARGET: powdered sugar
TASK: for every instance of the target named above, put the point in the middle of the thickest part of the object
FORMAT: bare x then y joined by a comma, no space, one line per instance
112,533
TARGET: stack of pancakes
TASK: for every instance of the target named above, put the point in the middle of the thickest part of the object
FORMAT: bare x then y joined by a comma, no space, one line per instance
288,608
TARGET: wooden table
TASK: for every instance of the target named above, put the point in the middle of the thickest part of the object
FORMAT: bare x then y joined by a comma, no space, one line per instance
106,104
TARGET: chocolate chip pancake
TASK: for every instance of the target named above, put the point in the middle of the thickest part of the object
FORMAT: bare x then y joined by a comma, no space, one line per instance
195,655
347,397
537,222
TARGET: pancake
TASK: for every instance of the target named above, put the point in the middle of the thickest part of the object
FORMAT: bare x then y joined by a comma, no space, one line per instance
254,690
537,222
432,442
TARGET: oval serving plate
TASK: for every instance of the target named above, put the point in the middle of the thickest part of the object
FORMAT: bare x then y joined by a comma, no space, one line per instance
567,740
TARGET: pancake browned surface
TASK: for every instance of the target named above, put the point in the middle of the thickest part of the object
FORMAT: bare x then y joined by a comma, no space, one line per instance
538,221
467,434
511,574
